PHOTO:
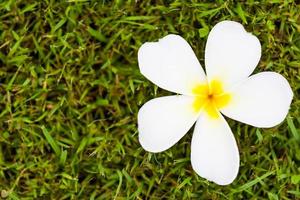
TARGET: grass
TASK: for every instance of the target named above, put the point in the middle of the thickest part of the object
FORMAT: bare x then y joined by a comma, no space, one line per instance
70,90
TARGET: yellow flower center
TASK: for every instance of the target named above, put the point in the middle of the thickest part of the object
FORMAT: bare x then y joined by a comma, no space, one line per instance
210,97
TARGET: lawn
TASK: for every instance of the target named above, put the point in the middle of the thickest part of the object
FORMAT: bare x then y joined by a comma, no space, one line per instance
70,91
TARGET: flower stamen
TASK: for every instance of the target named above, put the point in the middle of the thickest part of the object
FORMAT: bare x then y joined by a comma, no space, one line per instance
211,98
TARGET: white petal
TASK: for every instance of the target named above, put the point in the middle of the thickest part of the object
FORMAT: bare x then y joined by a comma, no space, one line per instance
163,121
171,64
262,100
214,153
231,53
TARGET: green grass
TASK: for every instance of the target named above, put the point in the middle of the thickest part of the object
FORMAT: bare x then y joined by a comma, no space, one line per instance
70,90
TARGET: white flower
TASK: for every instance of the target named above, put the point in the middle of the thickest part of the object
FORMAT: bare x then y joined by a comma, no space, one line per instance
231,55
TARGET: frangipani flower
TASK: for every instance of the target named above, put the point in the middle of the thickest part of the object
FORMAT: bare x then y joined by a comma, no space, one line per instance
231,55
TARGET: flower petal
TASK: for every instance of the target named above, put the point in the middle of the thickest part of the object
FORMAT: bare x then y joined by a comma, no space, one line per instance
262,100
171,64
163,121
231,53
214,153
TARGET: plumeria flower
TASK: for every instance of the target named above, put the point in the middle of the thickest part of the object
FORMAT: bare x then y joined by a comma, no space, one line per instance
231,55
